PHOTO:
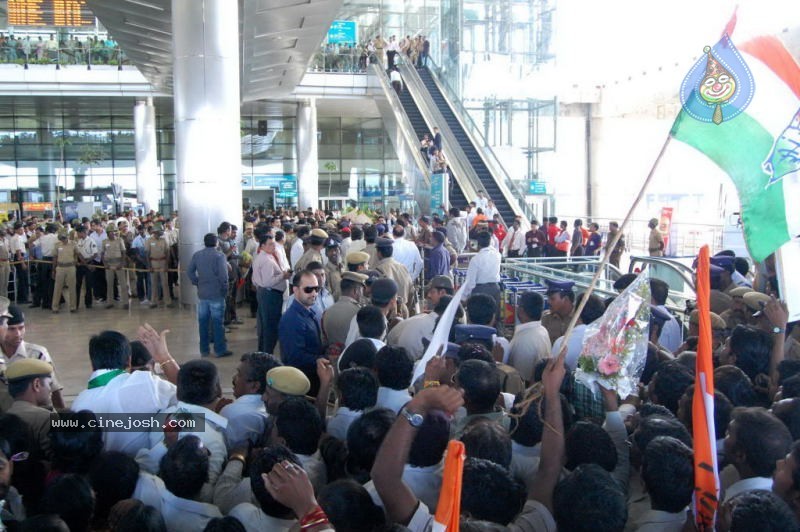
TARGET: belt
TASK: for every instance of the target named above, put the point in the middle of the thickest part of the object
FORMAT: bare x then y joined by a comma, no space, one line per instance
487,284
158,260
65,264
47,258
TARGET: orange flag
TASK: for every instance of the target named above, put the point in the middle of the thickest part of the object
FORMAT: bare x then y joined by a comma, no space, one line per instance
448,511
706,474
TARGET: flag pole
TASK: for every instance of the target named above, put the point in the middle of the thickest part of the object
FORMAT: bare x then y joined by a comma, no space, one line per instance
609,248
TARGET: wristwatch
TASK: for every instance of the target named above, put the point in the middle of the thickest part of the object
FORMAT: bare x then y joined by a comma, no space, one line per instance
415,420
778,330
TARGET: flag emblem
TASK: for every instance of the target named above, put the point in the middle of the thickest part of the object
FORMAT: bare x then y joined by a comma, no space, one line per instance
784,158
719,85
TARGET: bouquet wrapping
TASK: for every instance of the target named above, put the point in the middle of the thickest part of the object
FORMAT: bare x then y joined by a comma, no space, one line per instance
615,346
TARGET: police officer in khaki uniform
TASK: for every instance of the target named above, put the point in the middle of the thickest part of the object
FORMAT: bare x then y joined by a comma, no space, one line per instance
31,381
336,320
562,305
113,257
333,269
392,269
357,261
314,251
157,253
5,398
66,259
737,314
655,243
5,267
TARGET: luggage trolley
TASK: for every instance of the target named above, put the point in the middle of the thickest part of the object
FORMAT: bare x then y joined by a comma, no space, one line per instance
512,291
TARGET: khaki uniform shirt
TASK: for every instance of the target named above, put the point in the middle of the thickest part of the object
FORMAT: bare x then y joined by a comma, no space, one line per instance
720,301
4,250
114,253
392,269
336,320
370,250
66,254
157,251
334,275
732,319
311,255
38,421
556,325
656,243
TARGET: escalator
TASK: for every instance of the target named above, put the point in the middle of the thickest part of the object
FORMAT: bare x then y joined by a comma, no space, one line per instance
462,139
456,195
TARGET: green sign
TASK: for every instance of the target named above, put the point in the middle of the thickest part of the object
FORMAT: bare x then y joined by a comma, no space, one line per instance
537,188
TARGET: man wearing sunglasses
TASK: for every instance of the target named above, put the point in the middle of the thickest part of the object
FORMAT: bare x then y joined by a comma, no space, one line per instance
299,331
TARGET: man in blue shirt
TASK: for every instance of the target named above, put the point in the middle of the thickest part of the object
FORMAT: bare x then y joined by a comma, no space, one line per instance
439,263
298,330
208,271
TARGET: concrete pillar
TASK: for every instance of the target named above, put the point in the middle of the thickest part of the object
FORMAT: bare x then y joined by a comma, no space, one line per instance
148,181
207,125
307,163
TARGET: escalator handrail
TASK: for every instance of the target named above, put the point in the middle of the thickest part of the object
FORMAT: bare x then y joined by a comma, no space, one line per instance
486,153
406,127
463,173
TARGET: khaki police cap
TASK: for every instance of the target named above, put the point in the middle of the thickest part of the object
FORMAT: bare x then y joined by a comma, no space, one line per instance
28,367
716,321
755,301
355,276
319,233
288,380
739,291
357,257
4,304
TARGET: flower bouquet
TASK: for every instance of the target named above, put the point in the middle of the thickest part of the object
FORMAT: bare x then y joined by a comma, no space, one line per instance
615,346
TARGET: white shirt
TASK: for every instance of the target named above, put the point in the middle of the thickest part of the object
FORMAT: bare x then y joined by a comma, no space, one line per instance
482,203
17,244
339,423
184,515
48,244
457,233
356,245
139,391
247,419
281,251
394,400
514,241
530,344
483,268
149,489
671,334
213,438
525,462
315,468
489,211
424,482
354,334
255,520
296,251
659,521
412,331
534,517
748,484
406,253
87,248
98,238
573,349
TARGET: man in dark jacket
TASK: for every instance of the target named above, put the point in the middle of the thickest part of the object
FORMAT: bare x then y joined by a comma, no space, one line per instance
208,271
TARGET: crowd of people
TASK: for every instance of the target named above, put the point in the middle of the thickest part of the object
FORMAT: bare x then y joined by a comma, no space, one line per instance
328,428
66,49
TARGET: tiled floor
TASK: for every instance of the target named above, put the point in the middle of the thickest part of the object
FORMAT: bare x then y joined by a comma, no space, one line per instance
67,335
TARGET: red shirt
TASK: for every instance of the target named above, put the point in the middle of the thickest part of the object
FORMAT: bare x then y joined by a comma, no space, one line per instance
552,232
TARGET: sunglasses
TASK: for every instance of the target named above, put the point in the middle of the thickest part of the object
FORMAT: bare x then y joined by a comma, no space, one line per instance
309,289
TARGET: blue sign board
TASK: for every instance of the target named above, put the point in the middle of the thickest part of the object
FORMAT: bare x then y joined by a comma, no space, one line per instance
285,185
438,192
537,188
342,32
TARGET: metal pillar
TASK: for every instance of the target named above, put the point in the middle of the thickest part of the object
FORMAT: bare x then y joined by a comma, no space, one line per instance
207,124
307,163
148,182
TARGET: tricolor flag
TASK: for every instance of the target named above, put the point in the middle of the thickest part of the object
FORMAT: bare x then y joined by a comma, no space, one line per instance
706,473
741,108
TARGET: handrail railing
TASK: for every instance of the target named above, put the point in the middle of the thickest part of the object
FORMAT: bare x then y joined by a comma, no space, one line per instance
404,125
513,193
96,54
464,173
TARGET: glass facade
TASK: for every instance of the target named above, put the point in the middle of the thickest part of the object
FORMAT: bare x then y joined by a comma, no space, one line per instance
82,150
